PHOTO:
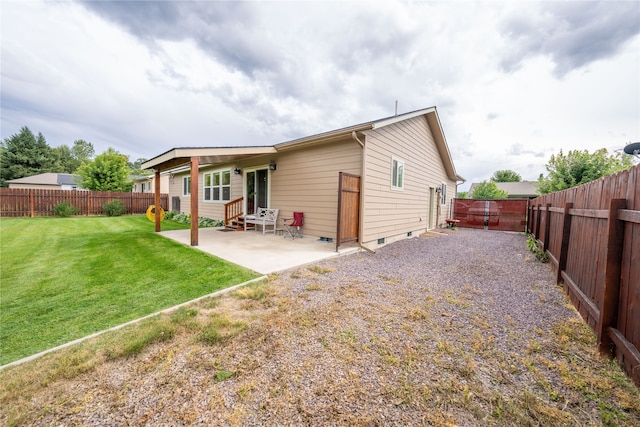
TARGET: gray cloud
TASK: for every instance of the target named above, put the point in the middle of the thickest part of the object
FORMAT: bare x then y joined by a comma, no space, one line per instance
147,76
225,30
282,46
519,150
572,34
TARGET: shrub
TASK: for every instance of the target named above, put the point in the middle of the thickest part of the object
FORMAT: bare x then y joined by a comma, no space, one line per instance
186,219
65,209
535,248
114,208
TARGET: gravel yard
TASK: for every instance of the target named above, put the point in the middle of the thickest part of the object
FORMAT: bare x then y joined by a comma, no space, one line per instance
462,328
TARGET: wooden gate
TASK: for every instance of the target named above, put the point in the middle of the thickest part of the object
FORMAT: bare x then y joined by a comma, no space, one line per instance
348,209
505,215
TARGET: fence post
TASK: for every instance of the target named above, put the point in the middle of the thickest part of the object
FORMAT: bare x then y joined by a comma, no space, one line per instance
564,246
613,266
32,204
547,226
537,226
88,203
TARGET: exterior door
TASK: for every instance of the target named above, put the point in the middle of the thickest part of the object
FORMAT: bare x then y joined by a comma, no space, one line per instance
257,190
432,208
348,209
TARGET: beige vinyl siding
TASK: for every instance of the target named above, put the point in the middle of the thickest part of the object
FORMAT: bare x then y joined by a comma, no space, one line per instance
175,190
307,180
208,209
391,213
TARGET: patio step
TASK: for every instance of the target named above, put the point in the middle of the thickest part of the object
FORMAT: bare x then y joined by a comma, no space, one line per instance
237,224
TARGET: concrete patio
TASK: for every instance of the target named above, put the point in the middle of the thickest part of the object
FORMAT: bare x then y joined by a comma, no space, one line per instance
261,253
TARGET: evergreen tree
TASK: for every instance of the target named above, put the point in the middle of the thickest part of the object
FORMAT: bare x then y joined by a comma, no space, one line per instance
24,154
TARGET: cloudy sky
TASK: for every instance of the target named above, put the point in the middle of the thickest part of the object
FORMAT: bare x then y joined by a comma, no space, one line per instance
513,82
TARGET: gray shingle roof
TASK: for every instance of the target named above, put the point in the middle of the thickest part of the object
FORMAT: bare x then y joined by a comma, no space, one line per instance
49,178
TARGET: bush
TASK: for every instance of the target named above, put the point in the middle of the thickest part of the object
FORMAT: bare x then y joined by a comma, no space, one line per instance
536,249
114,208
65,209
186,219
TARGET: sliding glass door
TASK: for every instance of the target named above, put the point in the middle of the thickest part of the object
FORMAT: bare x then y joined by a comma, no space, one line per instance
257,187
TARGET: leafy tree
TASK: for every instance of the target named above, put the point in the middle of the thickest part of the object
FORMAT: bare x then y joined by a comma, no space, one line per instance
63,159
462,195
506,175
24,154
136,168
579,167
107,172
68,160
82,150
488,190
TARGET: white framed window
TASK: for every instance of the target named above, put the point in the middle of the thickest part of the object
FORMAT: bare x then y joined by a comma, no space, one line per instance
217,186
444,194
186,186
143,187
397,174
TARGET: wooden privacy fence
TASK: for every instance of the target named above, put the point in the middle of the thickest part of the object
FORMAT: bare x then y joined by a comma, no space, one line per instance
592,236
21,202
505,215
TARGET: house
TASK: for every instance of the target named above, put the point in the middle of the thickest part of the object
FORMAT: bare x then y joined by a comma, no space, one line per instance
49,181
145,183
516,190
371,183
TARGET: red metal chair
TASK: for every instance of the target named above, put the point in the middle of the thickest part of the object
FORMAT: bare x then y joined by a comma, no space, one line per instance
293,225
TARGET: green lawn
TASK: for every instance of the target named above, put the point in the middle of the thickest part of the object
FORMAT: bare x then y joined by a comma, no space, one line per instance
65,278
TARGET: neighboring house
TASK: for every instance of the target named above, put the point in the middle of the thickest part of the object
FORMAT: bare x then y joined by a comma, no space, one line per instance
374,183
49,180
516,190
145,183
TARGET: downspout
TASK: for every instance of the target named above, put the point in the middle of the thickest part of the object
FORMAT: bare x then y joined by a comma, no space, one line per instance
355,138
362,174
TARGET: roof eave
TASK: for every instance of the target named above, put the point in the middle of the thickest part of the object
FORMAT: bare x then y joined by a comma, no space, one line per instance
441,143
401,117
214,155
324,137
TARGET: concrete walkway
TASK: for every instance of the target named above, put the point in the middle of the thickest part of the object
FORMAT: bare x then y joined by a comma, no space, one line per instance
264,254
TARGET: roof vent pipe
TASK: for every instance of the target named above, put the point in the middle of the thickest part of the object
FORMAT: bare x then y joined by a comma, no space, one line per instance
396,108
